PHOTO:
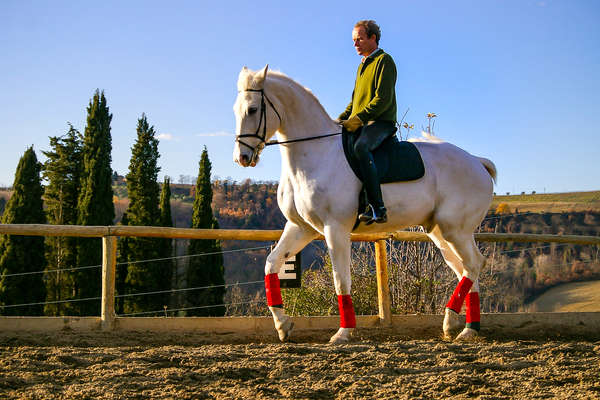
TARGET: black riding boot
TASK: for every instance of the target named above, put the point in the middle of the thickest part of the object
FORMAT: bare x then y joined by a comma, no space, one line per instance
376,211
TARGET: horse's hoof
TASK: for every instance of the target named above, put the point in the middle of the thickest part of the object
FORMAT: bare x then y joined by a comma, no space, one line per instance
467,335
451,323
285,330
341,336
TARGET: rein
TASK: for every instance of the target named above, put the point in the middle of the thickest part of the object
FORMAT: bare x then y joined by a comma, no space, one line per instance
263,122
273,142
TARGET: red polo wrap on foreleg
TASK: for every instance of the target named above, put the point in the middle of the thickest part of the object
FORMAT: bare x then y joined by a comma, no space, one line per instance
273,291
473,312
347,317
458,297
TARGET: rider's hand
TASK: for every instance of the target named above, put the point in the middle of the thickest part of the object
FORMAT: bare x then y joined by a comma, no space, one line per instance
352,124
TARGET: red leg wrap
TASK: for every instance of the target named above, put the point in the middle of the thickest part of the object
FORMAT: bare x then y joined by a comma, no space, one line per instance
458,297
347,317
473,313
273,291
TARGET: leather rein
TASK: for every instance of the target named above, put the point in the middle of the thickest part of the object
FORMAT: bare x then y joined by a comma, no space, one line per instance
263,121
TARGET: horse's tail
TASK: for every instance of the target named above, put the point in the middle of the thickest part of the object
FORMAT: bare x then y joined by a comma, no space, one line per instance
490,167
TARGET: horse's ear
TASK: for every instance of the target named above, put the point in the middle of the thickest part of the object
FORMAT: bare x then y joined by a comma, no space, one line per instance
260,77
243,79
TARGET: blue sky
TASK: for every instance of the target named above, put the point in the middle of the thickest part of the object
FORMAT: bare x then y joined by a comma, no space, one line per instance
515,81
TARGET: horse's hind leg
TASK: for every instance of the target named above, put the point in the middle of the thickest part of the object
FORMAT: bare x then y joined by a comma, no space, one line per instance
293,239
338,243
463,245
451,320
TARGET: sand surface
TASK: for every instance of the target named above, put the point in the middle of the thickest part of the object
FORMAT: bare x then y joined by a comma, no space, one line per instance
69,365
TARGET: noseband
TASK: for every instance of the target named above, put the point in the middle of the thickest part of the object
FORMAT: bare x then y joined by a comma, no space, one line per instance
262,121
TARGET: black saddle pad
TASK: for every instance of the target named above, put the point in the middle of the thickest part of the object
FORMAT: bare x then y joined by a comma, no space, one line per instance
396,161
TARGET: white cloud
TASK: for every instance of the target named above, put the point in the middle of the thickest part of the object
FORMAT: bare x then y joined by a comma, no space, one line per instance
219,133
165,136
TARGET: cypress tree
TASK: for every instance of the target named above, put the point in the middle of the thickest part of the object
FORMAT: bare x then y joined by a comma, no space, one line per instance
95,204
166,218
205,270
19,254
62,170
143,210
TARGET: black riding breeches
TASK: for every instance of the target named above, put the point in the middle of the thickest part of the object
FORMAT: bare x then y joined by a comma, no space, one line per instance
370,137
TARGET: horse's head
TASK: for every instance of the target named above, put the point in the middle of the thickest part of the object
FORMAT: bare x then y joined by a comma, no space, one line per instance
256,117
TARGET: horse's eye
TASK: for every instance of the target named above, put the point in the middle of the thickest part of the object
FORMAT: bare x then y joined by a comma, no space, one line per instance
252,110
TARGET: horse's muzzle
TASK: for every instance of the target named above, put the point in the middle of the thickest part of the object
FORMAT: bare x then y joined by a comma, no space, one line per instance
245,161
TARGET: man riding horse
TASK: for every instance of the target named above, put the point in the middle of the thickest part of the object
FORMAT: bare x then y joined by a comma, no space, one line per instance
449,201
371,115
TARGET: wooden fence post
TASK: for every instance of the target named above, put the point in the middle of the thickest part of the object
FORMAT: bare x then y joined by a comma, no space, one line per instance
383,289
109,266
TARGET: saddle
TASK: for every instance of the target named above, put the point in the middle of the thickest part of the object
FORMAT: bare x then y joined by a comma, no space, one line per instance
396,161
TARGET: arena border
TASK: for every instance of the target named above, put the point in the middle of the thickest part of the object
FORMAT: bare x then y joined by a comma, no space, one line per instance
535,323
497,325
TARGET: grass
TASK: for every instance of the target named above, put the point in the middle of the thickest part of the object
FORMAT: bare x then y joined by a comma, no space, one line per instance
539,202
550,202
576,296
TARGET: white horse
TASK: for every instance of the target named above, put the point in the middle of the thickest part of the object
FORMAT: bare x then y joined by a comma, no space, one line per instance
318,194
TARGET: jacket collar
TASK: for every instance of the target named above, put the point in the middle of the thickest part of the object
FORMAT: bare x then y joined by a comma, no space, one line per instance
372,55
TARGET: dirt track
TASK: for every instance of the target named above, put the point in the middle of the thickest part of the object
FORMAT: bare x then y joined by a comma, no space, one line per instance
574,296
374,365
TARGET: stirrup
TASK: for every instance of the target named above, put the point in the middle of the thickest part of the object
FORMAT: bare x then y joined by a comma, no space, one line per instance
370,216
367,215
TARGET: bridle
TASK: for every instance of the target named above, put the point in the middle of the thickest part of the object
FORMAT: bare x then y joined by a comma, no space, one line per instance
263,117
263,121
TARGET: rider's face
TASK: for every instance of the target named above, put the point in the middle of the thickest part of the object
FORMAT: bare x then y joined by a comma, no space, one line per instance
363,44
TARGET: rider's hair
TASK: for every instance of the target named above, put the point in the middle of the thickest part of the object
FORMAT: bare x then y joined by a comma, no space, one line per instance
371,28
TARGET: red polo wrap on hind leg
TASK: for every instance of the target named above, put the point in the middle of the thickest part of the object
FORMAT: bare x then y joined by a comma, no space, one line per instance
473,312
273,291
458,297
347,317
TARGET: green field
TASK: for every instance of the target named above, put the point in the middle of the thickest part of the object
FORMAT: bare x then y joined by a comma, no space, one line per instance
574,297
550,202
539,202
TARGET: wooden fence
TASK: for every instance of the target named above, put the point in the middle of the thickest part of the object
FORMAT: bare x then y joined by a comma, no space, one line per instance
109,321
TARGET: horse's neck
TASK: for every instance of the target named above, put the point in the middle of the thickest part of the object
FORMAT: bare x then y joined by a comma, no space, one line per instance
305,117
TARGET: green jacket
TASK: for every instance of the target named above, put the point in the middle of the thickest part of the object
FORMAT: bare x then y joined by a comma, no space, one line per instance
374,95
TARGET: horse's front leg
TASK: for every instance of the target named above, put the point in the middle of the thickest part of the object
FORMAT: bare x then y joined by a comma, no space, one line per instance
293,239
338,243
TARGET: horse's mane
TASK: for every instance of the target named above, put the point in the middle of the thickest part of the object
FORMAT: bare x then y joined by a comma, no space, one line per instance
279,78
286,80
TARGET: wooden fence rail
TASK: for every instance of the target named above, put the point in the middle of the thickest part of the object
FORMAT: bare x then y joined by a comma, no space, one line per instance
263,235
109,234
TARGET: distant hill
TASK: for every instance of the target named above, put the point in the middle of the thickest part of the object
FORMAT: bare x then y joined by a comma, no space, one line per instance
517,273
550,202
230,202
575,296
